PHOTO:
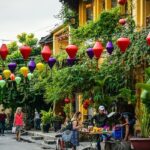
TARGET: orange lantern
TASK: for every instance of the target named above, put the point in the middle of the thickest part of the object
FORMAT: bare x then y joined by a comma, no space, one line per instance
12,77
24,71
6,73
1,78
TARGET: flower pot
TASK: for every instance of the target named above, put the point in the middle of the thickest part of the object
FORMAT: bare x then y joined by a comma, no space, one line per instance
46,128
140,143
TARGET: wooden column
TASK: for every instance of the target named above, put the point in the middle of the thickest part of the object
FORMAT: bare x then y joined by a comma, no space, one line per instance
82,13
107,4
143,13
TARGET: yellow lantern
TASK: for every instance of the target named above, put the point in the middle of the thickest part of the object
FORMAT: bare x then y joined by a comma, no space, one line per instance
40,67
24,71
6,73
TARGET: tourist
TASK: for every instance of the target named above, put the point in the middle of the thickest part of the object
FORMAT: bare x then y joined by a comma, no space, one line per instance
2,122
76,126
18,122
99,120
36,120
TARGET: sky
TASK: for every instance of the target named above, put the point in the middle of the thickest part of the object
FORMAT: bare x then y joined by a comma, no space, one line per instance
31,16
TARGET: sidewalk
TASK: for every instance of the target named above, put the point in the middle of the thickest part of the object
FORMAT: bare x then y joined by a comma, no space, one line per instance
48,140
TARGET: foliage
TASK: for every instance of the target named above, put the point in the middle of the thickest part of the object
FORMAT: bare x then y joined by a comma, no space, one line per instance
47,117
145,123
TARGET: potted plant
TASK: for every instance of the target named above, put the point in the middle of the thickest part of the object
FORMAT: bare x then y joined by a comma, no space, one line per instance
143,142
57,122
46,120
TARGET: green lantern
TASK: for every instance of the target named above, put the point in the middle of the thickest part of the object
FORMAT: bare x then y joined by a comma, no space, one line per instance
30,76
18,80
2,83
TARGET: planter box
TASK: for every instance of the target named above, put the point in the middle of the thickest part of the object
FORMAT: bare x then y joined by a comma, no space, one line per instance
140,143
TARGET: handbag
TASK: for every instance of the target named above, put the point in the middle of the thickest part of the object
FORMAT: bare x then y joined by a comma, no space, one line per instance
13,129
66,135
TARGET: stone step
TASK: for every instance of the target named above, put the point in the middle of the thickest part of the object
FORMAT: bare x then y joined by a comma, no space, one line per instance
50,141
37,137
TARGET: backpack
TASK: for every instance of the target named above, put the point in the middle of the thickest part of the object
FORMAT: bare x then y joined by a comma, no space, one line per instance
67,135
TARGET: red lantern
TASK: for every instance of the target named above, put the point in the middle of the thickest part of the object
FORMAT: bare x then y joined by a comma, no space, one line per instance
4,51
85,106
67,100
25,51
46,53
98,49
72,50
123,44
1,78
122,21
122,2
12,77
148,39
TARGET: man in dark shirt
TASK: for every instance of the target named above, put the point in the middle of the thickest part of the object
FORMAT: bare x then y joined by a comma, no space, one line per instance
2,122
99,120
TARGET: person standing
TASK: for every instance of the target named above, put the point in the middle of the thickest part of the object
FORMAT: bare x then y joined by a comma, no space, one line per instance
76,125
99,120
36,120
18,122
2,122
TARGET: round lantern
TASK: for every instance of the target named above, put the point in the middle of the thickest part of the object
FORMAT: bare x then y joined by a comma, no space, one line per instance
24,71
90,53
86,104
46,53
4,51
12,77
122,2
70,61
98,49
122,21
12,66
123,44
110,47
6,73
18,80
25,51
71,50
31,65
148,39
40,67
2,83
67,100
1,78
30,76
51,62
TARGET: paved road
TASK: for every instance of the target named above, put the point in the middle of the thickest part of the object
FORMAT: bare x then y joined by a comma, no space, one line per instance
8,142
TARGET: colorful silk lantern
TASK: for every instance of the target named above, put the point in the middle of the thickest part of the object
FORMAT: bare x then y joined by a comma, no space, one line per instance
2,83
51,62
72,50
148,39
12,77
30,76
25,51
70,61
24,71
46,53
122,21
1,78
6,73
122,2
40,67
123,44
12,66
31,65
4,51
98,49
67,100
90,53
18,80
109,47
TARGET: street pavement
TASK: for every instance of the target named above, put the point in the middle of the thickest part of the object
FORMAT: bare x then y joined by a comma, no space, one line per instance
8,142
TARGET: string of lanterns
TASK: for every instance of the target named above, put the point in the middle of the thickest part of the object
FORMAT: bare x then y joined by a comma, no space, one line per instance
123,43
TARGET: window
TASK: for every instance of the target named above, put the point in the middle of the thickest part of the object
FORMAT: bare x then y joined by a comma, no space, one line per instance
89,12
113,3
